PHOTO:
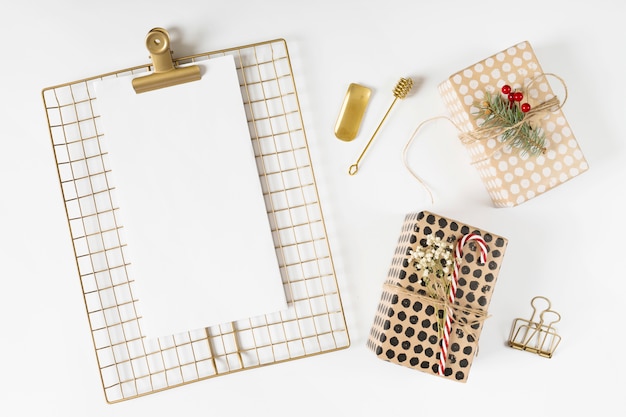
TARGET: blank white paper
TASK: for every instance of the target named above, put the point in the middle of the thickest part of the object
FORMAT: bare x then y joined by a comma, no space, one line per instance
200,246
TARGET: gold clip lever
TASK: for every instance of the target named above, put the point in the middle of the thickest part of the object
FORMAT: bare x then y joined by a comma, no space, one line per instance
165,74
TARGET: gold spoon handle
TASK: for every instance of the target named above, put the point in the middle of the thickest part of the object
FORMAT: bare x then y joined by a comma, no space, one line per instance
354,168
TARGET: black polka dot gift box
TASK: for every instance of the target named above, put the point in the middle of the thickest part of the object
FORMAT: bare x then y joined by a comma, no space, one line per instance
513,126
436,296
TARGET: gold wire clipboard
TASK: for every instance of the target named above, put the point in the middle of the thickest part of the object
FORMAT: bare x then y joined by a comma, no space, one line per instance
132,365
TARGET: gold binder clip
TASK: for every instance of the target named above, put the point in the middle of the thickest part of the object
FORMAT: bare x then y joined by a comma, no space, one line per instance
164,74
536,336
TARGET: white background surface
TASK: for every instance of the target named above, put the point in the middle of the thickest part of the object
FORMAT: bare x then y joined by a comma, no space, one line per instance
567,244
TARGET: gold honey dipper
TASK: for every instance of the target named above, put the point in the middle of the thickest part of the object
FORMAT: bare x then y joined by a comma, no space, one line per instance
400,91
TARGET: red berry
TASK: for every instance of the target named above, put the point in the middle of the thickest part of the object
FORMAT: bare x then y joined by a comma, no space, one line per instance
525,107
511,96
506,89
517,96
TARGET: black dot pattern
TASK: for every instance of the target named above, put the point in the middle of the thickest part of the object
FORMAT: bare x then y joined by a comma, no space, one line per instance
406,326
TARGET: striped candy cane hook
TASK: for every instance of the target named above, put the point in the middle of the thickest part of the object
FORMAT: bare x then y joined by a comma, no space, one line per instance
458,256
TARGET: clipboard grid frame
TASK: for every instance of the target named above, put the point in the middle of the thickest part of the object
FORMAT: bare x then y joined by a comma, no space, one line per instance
131,365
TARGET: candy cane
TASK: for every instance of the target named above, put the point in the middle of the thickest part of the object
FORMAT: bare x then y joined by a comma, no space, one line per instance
458,256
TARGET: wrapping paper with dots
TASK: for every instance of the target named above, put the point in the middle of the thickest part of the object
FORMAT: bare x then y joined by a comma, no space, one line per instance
510,177
406,324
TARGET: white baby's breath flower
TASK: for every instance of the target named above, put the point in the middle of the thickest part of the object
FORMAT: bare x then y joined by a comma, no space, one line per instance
433,262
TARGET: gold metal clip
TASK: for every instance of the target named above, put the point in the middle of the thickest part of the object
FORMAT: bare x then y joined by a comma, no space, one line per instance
536,336
165,74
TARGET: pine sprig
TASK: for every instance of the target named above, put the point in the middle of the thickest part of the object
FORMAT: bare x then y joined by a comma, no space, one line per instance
500,115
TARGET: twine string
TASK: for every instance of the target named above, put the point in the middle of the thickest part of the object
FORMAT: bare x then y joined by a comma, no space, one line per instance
444,304
535,114
405,152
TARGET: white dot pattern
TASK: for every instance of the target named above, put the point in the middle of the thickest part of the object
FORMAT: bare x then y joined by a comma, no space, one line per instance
509,177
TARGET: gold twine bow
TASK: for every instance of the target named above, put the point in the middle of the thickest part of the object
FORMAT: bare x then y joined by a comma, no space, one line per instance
443,303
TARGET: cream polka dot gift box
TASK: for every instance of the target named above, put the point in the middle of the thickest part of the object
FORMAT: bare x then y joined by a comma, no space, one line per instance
513,126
